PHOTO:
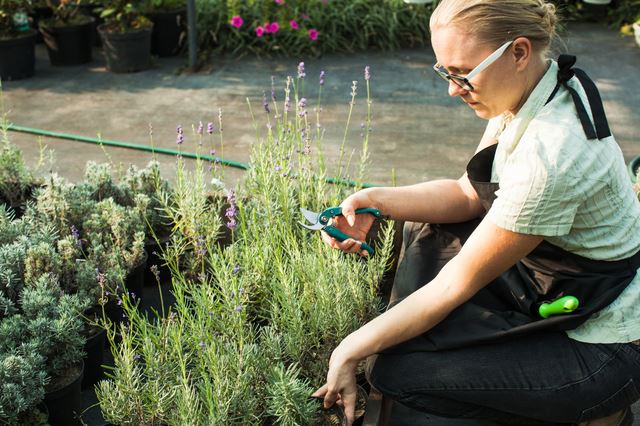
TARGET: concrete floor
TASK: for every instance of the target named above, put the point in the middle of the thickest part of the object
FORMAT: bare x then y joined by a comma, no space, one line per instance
418,133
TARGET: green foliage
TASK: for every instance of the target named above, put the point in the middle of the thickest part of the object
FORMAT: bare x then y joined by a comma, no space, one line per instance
22,381
166,5
51,320
342,26
65,12
287,397
150,183
16,181
123,15
254,321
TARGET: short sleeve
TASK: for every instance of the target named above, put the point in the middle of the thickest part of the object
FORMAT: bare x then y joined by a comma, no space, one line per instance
535,196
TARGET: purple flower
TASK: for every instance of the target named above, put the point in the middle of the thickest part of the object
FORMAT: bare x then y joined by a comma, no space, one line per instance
210,128
367,74
76,235
231,211
287,104
236,269
200,128
180,137
201,344
301,73
265,104
322,75
241,291
238,309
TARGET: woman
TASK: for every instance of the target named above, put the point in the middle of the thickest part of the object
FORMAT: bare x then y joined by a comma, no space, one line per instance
545,210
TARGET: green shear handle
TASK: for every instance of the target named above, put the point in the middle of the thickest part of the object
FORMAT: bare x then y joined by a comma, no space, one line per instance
326,215
564,305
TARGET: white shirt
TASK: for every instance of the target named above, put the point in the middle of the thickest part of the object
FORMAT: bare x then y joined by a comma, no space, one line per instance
575,192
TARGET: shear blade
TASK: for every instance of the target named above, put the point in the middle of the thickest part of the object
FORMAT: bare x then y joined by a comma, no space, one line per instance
315,227
312,217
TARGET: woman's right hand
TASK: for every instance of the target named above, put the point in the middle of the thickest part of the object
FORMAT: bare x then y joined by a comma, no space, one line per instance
355,225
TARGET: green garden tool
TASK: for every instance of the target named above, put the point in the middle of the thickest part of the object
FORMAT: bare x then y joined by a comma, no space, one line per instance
321,222
564,305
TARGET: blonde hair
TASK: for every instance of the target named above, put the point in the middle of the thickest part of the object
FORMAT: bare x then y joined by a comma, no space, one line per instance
495,22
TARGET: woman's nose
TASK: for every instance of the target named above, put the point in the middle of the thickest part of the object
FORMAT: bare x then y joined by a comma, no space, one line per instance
455,90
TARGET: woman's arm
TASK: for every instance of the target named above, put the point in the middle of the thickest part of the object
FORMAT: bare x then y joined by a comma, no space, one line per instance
438,201
489,251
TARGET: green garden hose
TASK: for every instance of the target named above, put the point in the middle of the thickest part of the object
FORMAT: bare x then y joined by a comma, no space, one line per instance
165,151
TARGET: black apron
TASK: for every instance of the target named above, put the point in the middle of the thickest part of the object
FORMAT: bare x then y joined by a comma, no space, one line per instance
508,306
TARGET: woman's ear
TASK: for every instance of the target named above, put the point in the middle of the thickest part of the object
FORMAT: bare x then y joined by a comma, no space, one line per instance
521,52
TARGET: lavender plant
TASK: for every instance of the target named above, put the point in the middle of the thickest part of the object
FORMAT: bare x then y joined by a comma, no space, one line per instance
255,322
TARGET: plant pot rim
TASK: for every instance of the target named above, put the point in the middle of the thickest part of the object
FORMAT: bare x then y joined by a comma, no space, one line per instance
53,393
20,36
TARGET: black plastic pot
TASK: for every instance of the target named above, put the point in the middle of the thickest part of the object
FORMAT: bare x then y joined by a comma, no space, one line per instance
68,45
134,283
154,251
18,57
94,358
126,52
168,27
65,403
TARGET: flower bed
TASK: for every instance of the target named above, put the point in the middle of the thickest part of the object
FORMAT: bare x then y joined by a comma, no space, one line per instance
295,27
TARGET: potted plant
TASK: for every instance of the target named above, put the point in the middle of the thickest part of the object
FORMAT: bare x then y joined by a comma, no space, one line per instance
17,41
68,33
169,26
22,382
126,36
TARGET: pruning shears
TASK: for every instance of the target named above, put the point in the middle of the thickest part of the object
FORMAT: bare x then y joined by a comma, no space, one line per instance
563,305
321,222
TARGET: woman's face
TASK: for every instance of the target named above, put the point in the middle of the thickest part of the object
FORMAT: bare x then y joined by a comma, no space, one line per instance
496,89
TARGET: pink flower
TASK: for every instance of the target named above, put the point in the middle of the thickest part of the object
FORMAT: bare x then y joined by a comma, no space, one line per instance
237,21
305,17
281,2
259,31
273,27
267,27
313,34
294,24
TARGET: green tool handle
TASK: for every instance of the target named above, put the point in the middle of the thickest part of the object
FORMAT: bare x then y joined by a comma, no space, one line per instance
341,236
337,211
564,305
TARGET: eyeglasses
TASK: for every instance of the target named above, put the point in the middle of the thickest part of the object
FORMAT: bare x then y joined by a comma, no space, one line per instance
463,82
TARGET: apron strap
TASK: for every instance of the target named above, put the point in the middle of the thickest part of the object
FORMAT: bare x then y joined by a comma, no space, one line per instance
566,72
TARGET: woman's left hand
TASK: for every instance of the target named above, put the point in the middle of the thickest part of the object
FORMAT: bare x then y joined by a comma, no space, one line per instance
341,385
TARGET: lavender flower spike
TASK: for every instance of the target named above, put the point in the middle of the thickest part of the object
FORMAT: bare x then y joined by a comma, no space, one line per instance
367,73
322,76
265,104
301,73
180,136
210,128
